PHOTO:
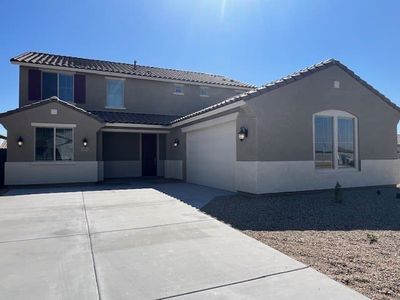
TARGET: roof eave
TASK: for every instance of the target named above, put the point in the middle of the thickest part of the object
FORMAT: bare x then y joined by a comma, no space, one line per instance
124,75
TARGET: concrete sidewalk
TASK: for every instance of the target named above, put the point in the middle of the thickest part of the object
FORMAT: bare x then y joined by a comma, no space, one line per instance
139,242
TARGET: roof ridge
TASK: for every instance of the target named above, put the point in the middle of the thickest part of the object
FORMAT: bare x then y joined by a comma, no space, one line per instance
128,112
283,81
129,65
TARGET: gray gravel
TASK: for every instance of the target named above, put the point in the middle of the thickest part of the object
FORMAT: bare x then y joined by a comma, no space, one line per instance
329,236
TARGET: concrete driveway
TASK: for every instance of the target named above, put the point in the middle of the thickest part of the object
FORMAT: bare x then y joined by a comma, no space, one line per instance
139,242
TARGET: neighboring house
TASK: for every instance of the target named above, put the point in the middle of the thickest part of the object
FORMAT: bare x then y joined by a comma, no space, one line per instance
3,142
398,145
306,131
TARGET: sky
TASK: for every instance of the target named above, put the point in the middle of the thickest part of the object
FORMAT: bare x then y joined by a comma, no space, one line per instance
255,41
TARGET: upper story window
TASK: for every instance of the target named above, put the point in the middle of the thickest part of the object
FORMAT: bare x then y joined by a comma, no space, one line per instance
204,91
178,89
115,93
66,86
53,144
335,140
58,84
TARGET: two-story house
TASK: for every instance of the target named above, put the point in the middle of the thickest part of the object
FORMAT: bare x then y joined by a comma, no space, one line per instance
83,120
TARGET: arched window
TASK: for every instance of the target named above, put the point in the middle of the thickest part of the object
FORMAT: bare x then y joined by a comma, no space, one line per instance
335,140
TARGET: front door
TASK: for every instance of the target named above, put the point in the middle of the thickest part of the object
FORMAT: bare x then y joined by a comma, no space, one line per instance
149,154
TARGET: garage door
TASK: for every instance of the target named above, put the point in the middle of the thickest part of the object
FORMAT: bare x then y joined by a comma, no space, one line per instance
211,156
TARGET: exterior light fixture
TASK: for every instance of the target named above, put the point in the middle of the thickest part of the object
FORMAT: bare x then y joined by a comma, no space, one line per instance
85,142
242,134
20,142
176,143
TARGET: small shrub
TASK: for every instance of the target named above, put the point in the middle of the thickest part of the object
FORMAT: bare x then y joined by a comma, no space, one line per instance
338,193
373,238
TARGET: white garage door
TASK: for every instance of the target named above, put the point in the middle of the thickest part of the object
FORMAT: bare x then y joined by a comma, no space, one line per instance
211,156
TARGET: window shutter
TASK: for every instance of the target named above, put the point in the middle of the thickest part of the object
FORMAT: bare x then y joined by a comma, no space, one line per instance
79,88
34,85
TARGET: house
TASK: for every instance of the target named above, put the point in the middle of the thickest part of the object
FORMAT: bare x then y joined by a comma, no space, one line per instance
82,120
398,145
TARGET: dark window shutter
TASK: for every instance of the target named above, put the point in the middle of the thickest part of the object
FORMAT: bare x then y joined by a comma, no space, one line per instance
79,88
34,85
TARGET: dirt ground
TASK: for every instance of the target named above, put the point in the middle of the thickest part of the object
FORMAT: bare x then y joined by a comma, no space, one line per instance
356,242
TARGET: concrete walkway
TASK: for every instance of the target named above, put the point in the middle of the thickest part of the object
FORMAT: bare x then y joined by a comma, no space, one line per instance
139,242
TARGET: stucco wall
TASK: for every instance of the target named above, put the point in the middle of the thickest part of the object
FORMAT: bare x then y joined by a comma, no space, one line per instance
143,96
284,119
19,124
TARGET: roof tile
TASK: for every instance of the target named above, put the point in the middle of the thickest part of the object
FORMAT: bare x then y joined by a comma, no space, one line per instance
124,68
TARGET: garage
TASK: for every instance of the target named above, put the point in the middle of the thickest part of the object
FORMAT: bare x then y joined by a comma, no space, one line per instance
211,153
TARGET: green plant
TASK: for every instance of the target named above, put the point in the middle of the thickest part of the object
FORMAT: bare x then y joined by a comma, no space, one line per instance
373,238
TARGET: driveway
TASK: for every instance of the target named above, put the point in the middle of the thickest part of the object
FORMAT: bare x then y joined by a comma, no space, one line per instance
139,241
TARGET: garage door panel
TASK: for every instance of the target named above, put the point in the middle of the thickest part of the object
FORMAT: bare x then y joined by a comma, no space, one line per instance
211,156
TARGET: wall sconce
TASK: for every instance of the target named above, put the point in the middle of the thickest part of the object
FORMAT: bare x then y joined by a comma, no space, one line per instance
176,143
20,142
242,134
85,143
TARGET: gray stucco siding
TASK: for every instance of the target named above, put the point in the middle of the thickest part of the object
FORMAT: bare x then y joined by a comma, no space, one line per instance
20,124
284,130
142,96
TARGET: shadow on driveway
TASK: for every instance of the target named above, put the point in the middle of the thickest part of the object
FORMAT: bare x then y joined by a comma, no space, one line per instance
192,194
363,208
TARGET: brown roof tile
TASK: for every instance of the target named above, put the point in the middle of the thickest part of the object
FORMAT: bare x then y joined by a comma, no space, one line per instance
124,68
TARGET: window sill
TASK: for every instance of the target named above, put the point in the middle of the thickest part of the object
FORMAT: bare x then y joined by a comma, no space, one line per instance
339,170
178,94
204,96
54,162
115,107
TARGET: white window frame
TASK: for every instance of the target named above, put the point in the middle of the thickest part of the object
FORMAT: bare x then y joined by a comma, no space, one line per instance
178,93
58,83
123,93
336,114
54,127
204,88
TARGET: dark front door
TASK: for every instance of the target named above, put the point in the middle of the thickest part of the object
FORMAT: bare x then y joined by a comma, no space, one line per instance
149,154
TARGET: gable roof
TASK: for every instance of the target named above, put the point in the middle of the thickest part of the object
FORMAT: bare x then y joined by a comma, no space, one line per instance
166,120
47,101
296,76
44,59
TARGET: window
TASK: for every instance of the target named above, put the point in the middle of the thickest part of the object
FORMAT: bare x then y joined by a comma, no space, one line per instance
323,142
203,91
54,144
178,89
115,93
65,87
60,85
335,143
49,87
345,142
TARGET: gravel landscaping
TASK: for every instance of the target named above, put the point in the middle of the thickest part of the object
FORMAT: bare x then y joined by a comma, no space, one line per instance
356,242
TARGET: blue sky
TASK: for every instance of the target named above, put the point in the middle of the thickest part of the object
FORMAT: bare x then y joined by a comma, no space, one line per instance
255,41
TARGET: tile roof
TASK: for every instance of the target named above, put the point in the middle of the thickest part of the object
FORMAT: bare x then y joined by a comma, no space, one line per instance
103,116
53,99
83,64
165,120
285,81
133,118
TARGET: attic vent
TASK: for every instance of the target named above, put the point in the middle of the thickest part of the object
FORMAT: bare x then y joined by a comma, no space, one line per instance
336,84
